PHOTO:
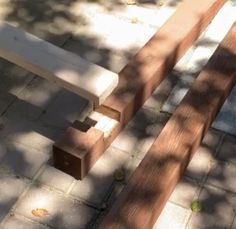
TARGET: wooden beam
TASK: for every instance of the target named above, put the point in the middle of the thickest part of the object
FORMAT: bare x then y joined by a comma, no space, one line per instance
55,64
144,197
143,74
157,58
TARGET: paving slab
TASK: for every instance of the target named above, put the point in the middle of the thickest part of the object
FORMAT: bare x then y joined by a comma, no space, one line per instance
39,92
6,99
13,78
223,175
148,119
21,223
161,93
225,120
178,92
64,109
113,195
150,17
185,192
234,224
227,151
55,25
138,136
218,210
34,99
62,212
22,160
23,109
212,139
201,164
134,142
11,188
172,216
86,47
3,149
94,188
205,47
119,37
55,178
20,130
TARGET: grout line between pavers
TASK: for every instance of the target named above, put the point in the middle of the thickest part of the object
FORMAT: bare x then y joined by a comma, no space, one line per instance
234,219
72,185
49,189
58,192
212,186
203,182
222,138
106,204
16,97
31,182
8,106
121,150
179,205
223,189
15,204
22,217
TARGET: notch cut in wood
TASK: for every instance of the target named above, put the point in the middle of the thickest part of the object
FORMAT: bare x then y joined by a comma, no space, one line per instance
145,195
66,69
81,145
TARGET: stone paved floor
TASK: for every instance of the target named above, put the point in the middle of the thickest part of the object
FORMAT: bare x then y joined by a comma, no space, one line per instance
34,112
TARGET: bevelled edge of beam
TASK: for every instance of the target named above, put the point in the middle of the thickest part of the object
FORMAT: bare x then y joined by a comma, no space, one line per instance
142,200
66,69
120,117
157,58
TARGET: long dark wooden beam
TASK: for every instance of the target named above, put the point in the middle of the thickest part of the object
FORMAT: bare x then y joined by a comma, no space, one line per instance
137,81
145,195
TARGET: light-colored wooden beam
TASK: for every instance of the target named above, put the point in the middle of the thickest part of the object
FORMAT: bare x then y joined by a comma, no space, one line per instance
142,200
55,64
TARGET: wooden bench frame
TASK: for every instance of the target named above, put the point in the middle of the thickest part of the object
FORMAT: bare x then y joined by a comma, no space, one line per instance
139,78
143,198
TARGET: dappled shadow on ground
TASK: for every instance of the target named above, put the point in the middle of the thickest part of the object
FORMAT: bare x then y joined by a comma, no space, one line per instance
36,112
50,20
203,101
56,25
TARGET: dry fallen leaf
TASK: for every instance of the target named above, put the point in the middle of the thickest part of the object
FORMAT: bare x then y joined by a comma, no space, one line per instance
40,212
119,175
196,206
131,2
134,20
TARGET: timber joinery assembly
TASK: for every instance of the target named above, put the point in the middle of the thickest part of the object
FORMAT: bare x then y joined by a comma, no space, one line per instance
116,101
